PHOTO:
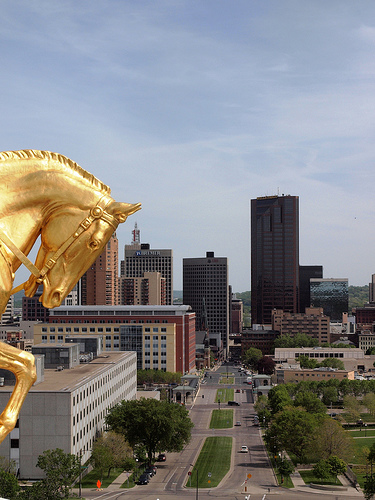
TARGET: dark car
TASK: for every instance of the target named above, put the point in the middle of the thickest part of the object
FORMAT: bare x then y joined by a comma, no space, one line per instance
151,471
233,403
144,479
162,457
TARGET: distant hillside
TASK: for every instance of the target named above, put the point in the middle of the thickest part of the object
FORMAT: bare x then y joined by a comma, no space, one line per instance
358,296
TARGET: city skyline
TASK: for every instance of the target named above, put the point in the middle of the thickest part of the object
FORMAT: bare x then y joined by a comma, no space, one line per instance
195,108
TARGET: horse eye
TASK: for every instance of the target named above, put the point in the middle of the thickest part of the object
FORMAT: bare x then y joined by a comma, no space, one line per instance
93,244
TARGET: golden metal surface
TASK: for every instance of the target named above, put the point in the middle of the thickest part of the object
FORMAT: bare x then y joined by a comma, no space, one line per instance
46,195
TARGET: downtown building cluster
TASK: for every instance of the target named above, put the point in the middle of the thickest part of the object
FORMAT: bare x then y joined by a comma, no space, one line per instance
121,317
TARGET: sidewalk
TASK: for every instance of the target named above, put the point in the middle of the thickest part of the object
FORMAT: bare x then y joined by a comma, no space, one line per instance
348,488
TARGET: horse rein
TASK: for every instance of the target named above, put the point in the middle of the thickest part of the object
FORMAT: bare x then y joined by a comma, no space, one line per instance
96,213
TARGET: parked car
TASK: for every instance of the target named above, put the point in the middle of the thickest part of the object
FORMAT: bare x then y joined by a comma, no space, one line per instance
233,403
144,479
162,457
151,471
244,449
238,423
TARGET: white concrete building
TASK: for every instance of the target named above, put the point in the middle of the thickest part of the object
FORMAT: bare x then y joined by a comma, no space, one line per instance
67,409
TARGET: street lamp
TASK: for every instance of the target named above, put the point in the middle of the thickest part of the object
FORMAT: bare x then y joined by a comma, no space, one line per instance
196,470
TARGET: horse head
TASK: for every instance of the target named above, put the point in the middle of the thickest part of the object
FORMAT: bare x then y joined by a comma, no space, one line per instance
70,245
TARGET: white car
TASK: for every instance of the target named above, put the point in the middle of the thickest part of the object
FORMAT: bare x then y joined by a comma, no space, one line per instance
244,449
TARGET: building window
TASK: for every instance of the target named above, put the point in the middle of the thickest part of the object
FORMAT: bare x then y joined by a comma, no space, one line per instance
14,443
44,339
52,338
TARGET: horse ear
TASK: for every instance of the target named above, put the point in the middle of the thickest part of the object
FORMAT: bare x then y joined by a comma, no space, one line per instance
122,210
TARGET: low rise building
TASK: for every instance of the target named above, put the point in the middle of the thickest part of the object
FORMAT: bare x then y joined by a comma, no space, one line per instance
162,336
317,374
312,323
67,410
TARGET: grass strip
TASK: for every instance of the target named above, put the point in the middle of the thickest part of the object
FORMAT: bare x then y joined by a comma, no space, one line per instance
213,463
227,380
224,395
90,480
221,419
308,477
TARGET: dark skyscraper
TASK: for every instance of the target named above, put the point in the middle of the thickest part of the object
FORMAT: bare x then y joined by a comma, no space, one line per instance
206,290
274,256
305,273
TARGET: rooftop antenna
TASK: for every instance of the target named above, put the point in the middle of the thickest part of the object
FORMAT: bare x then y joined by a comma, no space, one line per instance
136,235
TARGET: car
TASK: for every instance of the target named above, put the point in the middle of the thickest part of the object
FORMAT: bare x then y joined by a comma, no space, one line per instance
151,471
162,457
238,423
143,479
233,403
238,390
244,449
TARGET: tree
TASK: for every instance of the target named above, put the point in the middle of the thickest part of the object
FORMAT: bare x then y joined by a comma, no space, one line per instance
292,430
336,465
278,399
251,357
158,425
329,395
60,469
109,451
298,340
310,402
369,402
333,363
266,365
352,406
261,407
331,439
322,469
307,362
9,486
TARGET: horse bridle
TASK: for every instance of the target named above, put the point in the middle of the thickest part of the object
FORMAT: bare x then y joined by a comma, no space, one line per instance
96,213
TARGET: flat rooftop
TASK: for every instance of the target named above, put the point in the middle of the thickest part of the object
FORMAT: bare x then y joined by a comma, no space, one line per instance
70,379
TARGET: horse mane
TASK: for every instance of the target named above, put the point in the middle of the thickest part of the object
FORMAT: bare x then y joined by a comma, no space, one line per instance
27,154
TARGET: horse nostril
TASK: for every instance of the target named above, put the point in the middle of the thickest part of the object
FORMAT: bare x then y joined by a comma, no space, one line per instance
56,298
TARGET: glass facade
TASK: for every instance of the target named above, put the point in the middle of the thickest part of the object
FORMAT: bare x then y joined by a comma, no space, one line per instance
274,256
330,294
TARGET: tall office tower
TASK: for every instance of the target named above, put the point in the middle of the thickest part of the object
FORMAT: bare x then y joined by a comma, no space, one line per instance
140,259
305,274
274,256
332,294
206,290
371,289
99,284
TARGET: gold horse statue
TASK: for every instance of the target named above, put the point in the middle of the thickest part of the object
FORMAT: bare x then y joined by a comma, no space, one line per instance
46,195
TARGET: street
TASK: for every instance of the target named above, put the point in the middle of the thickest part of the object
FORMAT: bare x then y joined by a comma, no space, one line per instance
250,474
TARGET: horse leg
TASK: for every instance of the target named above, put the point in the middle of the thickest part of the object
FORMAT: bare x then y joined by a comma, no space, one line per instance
21,363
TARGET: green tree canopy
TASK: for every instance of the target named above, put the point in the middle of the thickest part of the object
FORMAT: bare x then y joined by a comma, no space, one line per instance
292,430
333,363
278,398
298,340
158,425
251,357
331,439
9,486
109,451
61,469
310,402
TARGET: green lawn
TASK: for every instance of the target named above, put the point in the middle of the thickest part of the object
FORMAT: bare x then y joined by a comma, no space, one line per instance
224,395
90,480
363,433
221,419
225,380
213,463
360,443
308,477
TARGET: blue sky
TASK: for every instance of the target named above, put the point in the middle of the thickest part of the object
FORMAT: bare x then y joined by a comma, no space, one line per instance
194,107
